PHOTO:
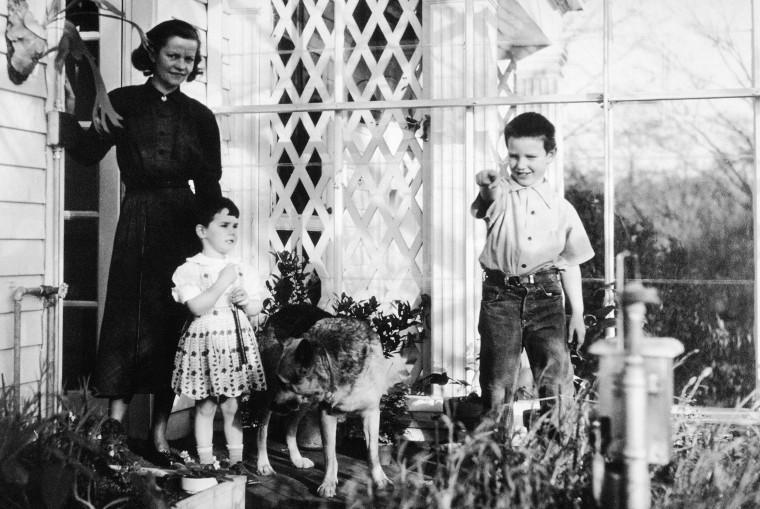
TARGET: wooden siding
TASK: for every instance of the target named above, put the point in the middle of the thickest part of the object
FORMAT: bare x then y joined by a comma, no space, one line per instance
24,185
246,80
23,148
24,213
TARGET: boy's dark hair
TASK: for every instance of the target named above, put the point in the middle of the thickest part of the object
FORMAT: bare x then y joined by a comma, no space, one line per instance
531,125
158,36
207,209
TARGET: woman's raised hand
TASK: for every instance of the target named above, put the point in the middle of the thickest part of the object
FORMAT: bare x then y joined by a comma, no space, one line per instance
70,100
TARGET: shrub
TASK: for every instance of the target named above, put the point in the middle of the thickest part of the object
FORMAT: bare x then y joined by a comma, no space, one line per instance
62,459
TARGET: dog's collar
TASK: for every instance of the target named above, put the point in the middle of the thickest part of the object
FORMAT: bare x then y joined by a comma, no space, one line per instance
330,394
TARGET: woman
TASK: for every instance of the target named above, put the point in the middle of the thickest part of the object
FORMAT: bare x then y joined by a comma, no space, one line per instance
165,140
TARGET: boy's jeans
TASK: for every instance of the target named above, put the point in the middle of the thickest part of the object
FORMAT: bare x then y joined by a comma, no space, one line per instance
513,317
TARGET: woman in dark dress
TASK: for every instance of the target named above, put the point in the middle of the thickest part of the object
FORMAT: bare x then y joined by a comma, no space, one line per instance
166,139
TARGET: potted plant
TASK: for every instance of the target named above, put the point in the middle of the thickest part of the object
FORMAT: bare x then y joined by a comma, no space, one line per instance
194,477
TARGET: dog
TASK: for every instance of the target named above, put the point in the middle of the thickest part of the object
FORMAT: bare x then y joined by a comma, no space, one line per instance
336,363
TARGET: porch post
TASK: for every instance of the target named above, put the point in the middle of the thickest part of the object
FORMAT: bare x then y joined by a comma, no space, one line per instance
460,61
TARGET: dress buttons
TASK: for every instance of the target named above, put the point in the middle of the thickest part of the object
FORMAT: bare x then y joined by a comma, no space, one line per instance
530,238
523,265
532,212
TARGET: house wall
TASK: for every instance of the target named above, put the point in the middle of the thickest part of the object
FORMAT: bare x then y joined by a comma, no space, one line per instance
31,198
27,194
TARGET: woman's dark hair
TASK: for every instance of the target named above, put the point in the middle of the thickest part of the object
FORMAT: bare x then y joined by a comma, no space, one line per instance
531,125
207,209
158,36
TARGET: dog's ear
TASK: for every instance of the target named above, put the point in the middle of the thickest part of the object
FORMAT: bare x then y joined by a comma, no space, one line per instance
304,356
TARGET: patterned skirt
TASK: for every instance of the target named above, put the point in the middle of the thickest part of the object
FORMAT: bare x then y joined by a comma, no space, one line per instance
214,358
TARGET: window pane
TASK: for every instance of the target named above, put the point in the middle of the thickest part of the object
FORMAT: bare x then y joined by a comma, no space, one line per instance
667,45
80,258
79,343
581,154
582,38
82,186
683,172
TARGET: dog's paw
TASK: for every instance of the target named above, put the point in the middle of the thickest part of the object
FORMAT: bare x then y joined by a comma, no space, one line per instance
264,469
380,479
383,483
327,489
301,462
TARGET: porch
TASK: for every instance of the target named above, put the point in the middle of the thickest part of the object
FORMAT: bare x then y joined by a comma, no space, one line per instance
294,488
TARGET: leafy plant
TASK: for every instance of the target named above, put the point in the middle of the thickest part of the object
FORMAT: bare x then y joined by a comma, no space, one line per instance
196,470
396,330
394,413
50,460
291,286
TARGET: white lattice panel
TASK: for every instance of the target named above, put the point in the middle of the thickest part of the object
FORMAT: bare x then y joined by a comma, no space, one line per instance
381,184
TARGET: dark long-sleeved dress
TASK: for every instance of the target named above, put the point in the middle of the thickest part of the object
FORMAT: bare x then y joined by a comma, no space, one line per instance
165,141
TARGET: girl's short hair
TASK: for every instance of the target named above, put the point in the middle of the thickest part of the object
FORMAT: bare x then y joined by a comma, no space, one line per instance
158,36
531,125
207,209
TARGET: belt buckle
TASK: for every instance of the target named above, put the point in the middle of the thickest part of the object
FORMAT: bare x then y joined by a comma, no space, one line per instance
512,280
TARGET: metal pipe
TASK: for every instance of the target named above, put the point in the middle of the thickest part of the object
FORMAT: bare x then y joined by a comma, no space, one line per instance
637,494
50,294
510,100
609,174
756,181
637,490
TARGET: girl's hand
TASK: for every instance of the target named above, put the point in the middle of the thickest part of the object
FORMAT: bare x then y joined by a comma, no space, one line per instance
228,275
239,297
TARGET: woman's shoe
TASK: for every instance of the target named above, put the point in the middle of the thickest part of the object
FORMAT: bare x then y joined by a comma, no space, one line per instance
161,458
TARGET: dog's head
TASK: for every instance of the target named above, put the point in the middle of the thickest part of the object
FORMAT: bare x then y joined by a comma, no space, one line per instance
300,376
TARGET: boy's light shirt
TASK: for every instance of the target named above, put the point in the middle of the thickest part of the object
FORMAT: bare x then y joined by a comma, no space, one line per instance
531,229
188,279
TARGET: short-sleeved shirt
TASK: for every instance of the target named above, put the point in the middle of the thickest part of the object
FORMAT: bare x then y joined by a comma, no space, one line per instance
530,229
199,272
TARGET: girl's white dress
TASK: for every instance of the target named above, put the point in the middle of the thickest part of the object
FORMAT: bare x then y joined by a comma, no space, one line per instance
208,359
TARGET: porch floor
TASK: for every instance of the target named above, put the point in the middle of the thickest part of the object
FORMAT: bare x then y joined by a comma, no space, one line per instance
294,488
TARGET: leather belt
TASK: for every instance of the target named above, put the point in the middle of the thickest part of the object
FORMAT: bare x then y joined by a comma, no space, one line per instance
500,278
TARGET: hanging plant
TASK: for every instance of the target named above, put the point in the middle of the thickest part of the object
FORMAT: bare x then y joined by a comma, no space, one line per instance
26,39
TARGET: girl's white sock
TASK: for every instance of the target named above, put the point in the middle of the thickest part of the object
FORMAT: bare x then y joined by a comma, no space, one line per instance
236,453
205,454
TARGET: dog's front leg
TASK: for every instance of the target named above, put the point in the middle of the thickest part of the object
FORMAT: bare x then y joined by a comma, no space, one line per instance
263,467
371,420
329,426
291,440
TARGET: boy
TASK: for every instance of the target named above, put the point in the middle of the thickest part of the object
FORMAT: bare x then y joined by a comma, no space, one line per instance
534,245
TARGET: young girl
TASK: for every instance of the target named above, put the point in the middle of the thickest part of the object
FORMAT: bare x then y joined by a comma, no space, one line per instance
217,356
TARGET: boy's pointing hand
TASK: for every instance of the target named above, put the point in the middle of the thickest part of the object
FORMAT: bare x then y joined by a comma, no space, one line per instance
487,178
